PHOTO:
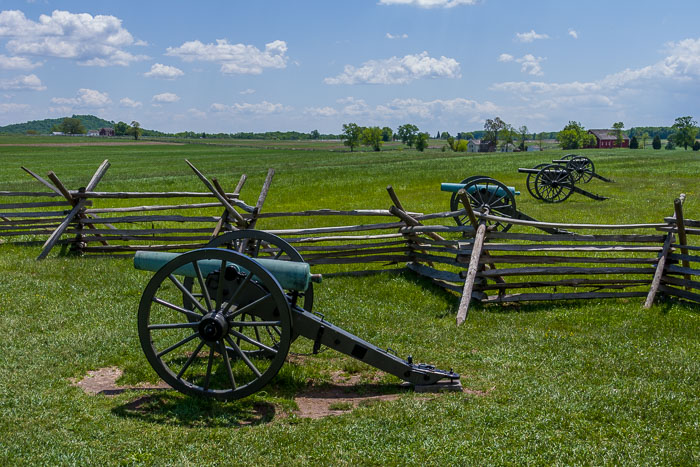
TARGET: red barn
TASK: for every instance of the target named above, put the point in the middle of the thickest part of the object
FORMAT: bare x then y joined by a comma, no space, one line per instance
608,139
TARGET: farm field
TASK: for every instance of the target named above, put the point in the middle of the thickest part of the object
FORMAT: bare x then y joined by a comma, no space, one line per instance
586,382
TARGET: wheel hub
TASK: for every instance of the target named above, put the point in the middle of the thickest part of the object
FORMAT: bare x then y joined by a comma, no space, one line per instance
213,327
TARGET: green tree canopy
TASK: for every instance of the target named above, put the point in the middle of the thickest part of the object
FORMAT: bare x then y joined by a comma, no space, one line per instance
407,133
686,129
656,143
387,134
492,129
372,136
574,136
421,141
634,144
120,129
72,126
618,127
351,134
134,130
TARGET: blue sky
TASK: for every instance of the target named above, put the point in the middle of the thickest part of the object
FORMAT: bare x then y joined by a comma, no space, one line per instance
229,66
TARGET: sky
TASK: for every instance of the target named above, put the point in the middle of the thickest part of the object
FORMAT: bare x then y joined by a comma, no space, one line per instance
280,65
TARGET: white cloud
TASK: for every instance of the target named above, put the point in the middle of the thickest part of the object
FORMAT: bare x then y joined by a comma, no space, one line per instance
196,113
234,58
530,64
89,98
396,36
573,33
22,83
129,103
429,3
262,108
530,36
166,98
164,71
321,111
90,40
6,108
398,70
247,92
16,63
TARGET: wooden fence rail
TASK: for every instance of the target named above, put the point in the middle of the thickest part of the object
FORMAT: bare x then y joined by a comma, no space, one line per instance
490,266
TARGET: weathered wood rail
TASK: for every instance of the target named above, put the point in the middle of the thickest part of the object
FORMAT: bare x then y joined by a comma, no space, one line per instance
593,261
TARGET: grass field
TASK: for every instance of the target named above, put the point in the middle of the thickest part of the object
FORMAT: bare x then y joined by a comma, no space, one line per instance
588,382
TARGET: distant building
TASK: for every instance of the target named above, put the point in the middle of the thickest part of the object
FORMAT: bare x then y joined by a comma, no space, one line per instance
477,145
508,148
93,133
57,133
106,131
608,139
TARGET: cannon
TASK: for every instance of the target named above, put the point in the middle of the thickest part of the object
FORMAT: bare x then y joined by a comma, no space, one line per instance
582,168
489,196
554,183
218,323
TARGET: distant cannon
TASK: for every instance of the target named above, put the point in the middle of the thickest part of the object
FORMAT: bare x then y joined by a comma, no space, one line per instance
555,182
224,330
487,195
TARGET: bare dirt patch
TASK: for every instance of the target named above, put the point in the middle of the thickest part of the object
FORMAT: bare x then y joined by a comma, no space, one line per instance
106,143
345,393
104,381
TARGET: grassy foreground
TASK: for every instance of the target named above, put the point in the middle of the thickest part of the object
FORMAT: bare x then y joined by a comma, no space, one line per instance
590,382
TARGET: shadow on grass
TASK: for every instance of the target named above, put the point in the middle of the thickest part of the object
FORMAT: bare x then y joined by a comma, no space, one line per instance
165,407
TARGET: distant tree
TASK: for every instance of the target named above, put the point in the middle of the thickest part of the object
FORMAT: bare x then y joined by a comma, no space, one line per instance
438,135
134,130
462,145
645,137
634,144
492,129
407,133
507,135
685,131
465,135
32,132
314,134
696,146
522,133
574,136
670,144
72,126
421,141
656,143
351,134
445,135
451,143
120,129
387,134
540,139
372,136
618,127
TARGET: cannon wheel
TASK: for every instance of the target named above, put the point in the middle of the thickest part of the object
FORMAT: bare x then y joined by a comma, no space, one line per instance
582,169
455,205
190,346
530,181
554,183
257,243
484,195
570,156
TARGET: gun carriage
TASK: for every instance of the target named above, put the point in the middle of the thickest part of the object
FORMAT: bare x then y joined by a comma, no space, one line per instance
555,182
219,321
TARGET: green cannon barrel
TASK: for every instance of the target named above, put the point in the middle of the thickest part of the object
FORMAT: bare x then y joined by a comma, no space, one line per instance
455,187
290,274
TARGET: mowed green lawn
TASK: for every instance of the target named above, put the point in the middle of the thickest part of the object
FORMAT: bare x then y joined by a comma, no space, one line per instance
588,382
